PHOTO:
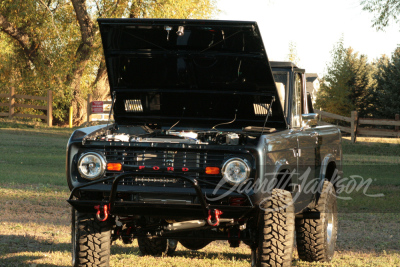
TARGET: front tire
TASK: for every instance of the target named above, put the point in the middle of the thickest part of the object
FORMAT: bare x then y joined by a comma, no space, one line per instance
316,238
91,240
275,231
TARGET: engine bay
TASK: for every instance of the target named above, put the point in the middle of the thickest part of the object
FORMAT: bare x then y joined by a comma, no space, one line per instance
125,134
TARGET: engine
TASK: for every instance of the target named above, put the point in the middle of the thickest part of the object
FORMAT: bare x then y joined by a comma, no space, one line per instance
145,134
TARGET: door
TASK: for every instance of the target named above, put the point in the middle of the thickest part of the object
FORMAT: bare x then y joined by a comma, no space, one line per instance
307,139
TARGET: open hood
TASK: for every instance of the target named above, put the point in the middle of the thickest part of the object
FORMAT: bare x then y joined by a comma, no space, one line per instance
201,72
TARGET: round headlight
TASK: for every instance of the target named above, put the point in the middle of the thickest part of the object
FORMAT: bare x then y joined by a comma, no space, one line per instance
91,165
236,171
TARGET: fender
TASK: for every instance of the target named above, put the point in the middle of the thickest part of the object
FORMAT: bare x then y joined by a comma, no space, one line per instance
280,165
324,168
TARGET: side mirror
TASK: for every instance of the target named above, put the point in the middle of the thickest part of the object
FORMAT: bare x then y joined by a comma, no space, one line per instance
310,119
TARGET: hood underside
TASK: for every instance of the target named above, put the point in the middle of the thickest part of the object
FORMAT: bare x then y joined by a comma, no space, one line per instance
199,72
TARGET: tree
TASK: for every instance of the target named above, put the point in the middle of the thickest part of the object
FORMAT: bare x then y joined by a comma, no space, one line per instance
386,92
33,64
346,84
292,56
384,11
56,44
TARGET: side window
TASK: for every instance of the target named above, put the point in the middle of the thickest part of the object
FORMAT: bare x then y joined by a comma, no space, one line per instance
296,102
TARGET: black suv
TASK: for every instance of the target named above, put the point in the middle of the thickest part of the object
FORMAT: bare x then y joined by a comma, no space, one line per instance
211,141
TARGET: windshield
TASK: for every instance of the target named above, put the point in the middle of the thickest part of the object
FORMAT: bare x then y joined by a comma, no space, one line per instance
281,81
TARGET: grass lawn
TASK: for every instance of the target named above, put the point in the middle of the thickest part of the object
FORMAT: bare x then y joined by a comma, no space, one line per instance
35,218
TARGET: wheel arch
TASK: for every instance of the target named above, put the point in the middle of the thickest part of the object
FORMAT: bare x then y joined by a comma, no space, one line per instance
328,167
329,172
281,167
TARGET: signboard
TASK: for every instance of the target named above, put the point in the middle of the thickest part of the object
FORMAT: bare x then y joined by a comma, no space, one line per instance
97,107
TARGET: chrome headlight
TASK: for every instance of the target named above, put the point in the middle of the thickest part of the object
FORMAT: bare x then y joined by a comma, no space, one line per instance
236,171
91,165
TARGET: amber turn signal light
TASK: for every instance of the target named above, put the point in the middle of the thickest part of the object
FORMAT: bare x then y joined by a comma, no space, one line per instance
114,167
212,170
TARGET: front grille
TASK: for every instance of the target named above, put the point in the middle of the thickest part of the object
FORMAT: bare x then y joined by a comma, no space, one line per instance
163,158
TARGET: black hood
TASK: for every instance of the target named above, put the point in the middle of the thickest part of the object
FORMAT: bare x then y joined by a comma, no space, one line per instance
200,72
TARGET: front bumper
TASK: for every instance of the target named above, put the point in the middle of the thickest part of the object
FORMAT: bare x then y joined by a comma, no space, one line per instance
200,210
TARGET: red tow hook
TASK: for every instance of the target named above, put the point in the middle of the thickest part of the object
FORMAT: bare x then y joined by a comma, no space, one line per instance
105,211
216,214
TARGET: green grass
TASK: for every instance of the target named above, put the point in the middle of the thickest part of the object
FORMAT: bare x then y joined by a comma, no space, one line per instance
35,218
379,163
30,156
381,147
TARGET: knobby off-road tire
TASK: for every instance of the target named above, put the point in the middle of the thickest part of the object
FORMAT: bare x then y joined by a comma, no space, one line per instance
91,240
157,246
316,238
276,231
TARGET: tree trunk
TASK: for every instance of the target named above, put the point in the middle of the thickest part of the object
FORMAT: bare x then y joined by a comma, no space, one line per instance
83,54
78,101
101,87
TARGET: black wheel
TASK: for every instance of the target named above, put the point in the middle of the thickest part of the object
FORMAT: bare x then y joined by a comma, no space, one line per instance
275,231
316,238
91,240
157,246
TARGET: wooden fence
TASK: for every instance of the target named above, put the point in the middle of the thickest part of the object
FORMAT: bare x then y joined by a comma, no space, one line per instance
12,105
91,111
355,122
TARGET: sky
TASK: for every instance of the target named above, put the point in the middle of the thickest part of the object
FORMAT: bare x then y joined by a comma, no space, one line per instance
314,26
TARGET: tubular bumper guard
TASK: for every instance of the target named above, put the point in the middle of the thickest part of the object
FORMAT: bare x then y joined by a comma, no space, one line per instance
205,207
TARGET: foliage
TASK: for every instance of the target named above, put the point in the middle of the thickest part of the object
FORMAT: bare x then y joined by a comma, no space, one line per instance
346,84
55,45
386,93
293,56
384,11
183,9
